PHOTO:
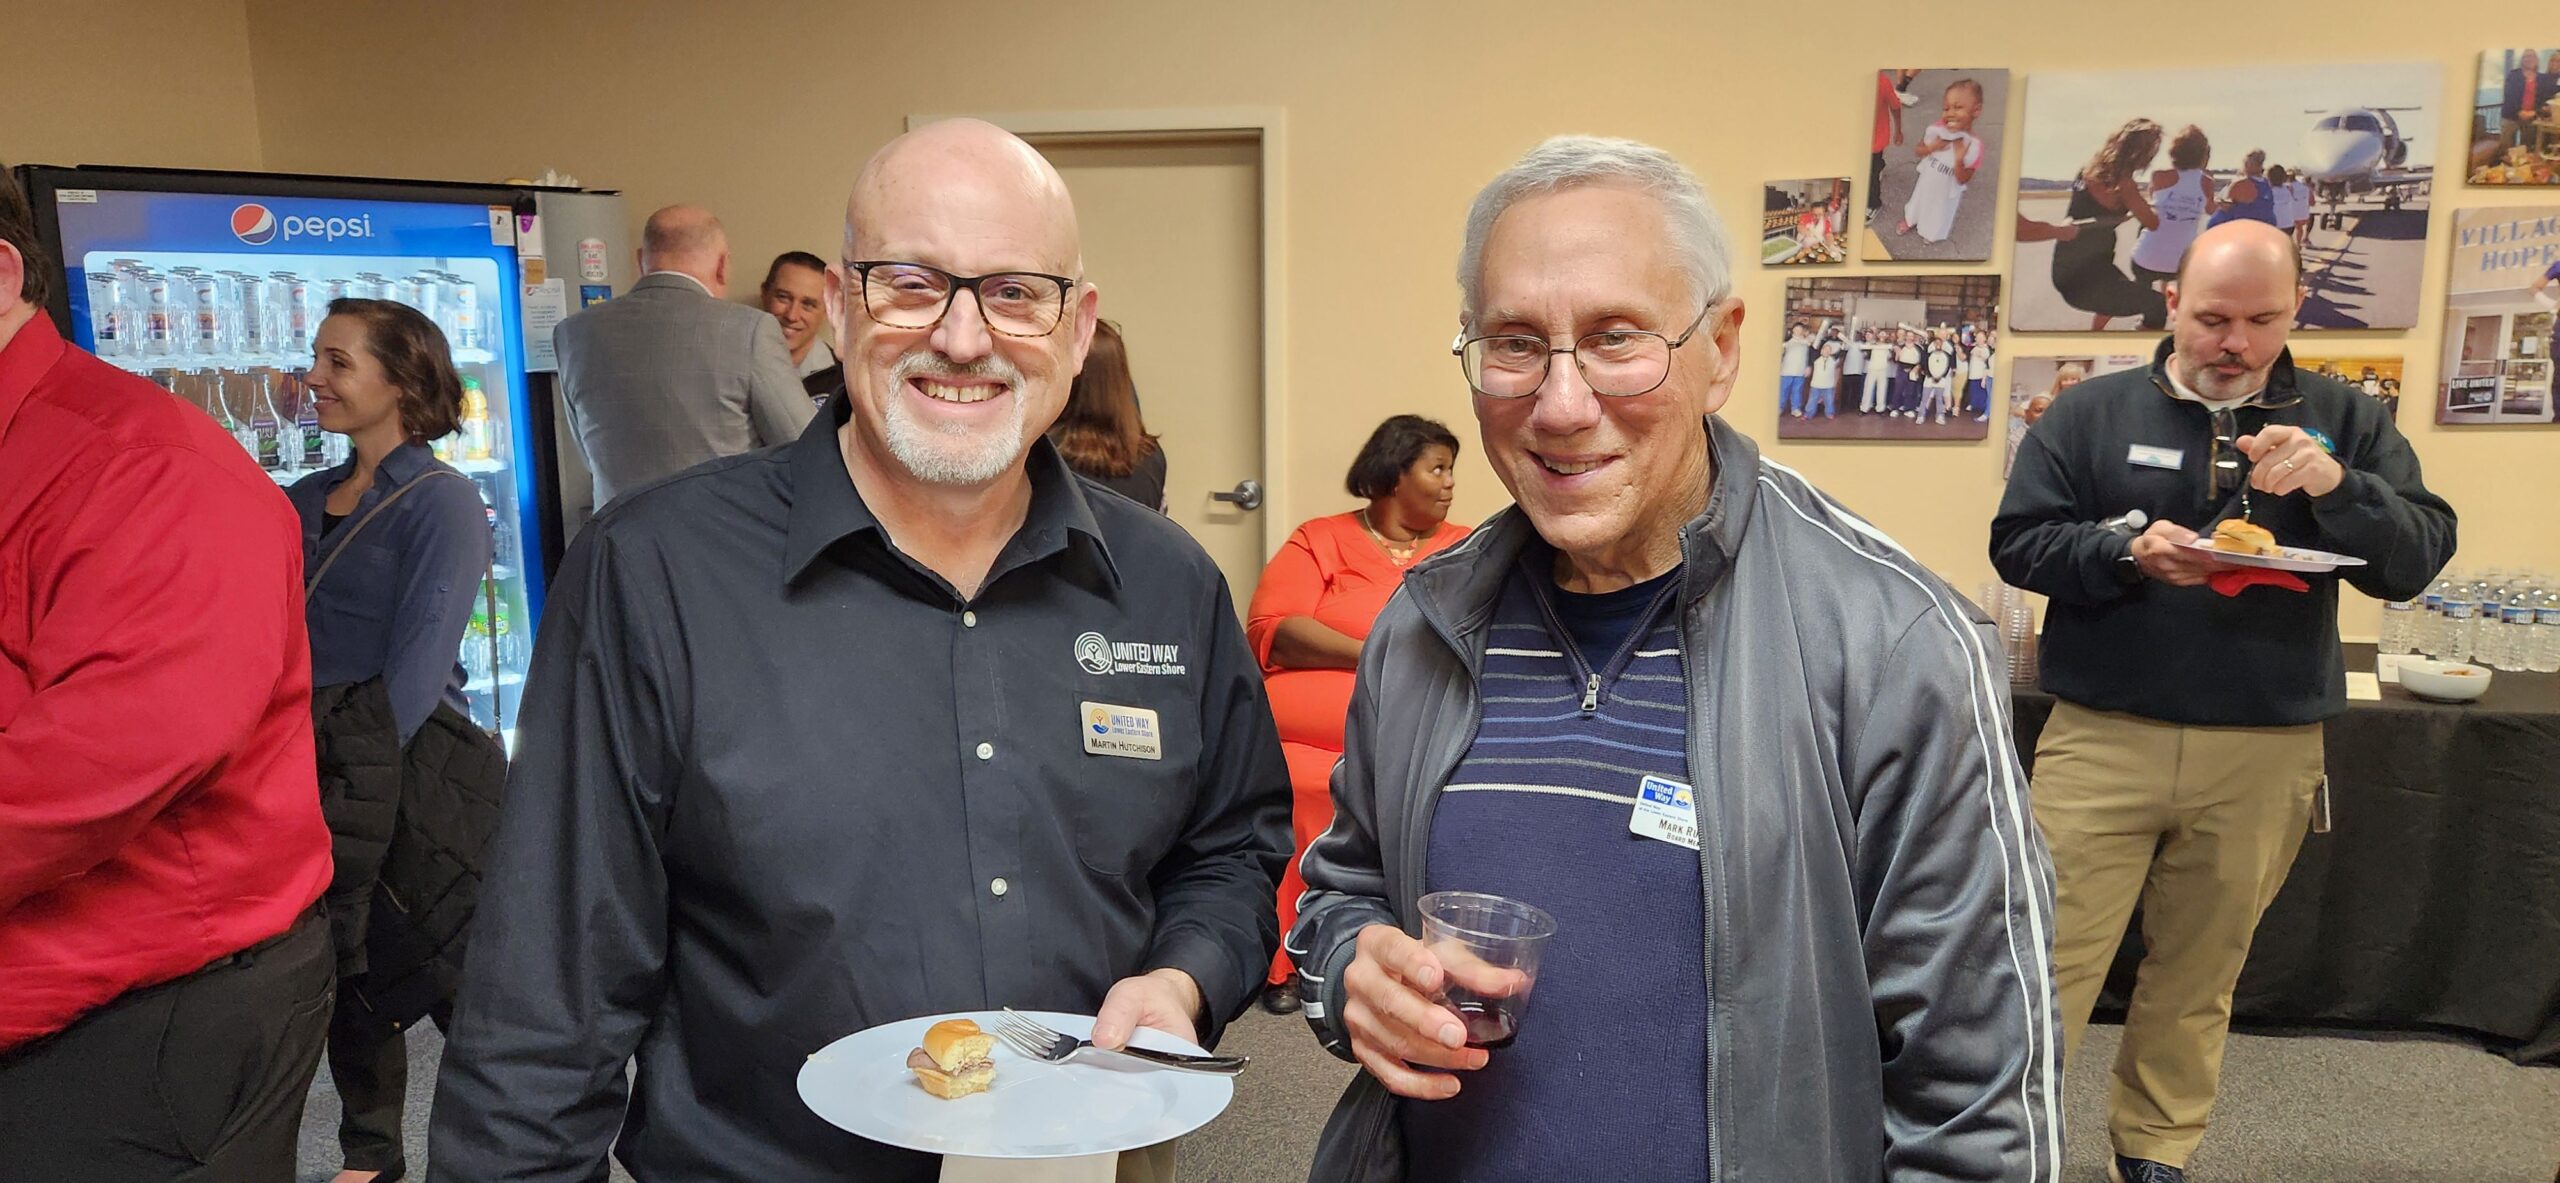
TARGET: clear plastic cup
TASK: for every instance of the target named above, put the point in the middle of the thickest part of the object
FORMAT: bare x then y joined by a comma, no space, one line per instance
1488,948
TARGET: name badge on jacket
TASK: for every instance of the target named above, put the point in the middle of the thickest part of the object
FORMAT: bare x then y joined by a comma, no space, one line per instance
1667,810
2147,456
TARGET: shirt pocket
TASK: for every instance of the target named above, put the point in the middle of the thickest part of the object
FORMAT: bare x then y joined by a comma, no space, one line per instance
1127,811
360,586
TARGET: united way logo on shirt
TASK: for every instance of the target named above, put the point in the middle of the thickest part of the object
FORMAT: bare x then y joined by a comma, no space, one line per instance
1101,655
1093,653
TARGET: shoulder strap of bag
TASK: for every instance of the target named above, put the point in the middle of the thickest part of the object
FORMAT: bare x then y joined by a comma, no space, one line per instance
349,535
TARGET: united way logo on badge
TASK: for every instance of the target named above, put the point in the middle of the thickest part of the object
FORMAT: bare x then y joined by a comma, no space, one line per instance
1093,653
1099,719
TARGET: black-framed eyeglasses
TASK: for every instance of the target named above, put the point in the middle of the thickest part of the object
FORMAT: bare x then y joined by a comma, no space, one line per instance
1620,363
2230,465
915,296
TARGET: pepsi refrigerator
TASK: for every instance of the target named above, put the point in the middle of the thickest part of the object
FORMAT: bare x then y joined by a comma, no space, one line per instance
212,285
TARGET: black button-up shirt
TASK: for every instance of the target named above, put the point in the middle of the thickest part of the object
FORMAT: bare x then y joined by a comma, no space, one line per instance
779,783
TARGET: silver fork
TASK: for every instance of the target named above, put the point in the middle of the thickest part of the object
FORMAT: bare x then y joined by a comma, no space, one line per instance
1039,1042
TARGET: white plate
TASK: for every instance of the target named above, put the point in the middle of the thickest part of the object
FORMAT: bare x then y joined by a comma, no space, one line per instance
2294,558
1097,1105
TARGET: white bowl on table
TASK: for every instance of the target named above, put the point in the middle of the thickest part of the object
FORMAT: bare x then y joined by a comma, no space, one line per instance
2443,681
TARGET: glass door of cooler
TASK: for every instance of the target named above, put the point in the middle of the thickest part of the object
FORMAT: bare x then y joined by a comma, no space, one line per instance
229,327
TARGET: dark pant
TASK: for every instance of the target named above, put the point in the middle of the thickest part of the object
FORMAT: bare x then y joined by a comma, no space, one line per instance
370,1064
197,1080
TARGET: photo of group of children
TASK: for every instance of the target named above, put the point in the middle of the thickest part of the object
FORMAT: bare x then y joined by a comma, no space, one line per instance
1917,179
2121,170
1804,222
1901,357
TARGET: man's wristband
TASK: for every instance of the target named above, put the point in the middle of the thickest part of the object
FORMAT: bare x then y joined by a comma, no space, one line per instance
2128,568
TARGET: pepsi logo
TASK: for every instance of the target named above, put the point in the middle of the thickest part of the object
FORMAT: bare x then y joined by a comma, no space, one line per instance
254,224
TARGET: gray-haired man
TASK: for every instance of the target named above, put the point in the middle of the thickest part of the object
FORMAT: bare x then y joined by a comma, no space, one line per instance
1817,949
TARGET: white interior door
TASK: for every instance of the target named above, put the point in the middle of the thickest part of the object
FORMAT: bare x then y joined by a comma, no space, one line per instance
1173,238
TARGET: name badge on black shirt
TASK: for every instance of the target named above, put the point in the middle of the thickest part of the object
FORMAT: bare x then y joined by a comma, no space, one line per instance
2147,456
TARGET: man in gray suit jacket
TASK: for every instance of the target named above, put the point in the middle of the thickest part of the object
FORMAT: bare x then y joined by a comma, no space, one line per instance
672,374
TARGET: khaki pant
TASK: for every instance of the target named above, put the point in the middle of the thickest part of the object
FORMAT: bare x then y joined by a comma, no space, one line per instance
1150,1164
2200,825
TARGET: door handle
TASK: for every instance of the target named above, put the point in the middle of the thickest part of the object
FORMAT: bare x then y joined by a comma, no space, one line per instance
1247,495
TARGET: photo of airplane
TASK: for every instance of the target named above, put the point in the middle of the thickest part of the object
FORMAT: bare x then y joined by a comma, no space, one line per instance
2360,140
2352,151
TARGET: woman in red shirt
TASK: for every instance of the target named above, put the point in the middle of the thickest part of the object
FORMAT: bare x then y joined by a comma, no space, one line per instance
1314,606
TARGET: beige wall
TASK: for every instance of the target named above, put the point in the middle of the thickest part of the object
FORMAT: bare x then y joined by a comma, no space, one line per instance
163,82
1396,112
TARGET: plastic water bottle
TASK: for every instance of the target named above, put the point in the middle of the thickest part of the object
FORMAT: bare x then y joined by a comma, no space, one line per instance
2430,638
2487,629
2484,622
2546,634
2459,612
2399,627
2515,628
2489,625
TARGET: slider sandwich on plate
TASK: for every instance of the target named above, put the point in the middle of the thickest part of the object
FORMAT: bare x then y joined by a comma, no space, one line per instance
953,1062
2242,537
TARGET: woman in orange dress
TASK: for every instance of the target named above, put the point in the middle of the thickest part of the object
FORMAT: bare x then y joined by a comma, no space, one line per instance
1314,606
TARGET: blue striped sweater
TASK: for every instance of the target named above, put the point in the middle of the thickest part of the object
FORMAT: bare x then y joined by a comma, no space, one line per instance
1610,1063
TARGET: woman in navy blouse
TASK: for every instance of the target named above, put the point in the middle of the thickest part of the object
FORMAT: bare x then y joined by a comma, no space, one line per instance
393,605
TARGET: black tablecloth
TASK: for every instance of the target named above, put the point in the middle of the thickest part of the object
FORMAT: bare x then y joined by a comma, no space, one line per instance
2434,902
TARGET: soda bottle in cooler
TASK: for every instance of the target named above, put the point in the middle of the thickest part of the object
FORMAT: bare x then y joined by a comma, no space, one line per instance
159,316
278,395
209,335
508,646
475,421
267,426
477,659
109,319
465,314
238,417
251,325
293,313
306,418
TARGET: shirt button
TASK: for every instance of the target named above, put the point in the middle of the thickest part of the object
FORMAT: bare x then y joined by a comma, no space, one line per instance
986,751
997,886
968,620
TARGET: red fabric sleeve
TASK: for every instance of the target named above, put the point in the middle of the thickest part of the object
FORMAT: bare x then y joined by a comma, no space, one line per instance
165,615
1292,584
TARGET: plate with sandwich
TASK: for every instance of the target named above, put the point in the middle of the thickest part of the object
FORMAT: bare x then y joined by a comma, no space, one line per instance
944,1084
2247,544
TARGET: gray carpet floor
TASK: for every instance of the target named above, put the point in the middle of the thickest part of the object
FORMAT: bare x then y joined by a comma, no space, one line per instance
2294,1109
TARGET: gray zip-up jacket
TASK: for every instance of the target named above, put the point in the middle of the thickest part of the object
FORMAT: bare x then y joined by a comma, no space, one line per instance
1878,900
